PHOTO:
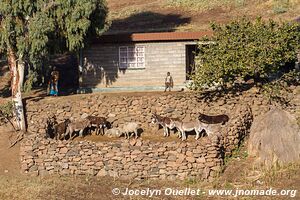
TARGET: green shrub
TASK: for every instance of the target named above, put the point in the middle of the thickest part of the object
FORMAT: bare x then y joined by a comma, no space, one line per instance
277,91
243,49
280,6
6,111
30,80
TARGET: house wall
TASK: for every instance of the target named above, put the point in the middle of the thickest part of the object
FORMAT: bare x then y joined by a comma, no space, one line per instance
101,65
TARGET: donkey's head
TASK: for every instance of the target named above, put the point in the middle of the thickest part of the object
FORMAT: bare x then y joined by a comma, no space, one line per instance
51,120
154,118
67,121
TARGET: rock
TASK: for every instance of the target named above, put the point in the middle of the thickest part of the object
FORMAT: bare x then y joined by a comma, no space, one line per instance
63,150
132,142
84,115
205,173
169,110
111,115
190,159
274,138
138,143
102,172
65,165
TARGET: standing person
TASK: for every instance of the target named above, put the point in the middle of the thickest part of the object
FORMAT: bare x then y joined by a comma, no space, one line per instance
53,83
168,82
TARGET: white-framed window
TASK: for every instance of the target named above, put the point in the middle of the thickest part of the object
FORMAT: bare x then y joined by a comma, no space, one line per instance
132,57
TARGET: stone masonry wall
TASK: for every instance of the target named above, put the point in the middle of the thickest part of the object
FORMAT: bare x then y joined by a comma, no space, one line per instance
135,158
125,159
121,108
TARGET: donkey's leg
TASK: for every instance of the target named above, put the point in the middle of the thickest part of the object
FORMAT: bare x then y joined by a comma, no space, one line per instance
183,135
179,134
197,133
97,130
71,131
81,132
66,133
164,131
136,134
208,132
168,131
102,127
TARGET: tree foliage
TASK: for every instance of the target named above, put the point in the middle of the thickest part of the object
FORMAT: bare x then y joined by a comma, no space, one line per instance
32,28
243,49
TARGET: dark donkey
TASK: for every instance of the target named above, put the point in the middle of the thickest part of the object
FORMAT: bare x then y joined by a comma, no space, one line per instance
99,123
165,122
213,119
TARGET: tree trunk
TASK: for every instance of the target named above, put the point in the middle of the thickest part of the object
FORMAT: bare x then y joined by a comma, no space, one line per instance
21,70
15,72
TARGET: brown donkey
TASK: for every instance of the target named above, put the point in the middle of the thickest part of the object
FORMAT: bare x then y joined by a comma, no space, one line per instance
165,122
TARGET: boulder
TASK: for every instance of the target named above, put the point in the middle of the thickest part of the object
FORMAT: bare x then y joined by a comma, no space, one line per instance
275,138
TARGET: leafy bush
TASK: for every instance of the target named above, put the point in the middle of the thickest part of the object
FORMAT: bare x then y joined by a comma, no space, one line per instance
243,49
30,80
6,111
278,91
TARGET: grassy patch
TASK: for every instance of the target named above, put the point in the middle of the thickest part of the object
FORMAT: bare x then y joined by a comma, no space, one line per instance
124,12
202,5
19,188
277,172
280,6
238,153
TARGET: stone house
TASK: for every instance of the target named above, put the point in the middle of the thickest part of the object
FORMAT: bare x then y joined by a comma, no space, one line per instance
138,61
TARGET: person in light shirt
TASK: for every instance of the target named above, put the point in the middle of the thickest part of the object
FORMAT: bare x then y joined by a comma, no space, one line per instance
168,82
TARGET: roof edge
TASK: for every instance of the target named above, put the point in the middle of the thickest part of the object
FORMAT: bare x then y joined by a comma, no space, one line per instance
151,37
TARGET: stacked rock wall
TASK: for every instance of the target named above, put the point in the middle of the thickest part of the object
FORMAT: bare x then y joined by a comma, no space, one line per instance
125,159
120,108
134,158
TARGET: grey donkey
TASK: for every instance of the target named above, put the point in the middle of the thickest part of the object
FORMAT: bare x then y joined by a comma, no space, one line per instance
77,126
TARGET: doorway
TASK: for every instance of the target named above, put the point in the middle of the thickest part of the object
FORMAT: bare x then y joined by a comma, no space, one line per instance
191,52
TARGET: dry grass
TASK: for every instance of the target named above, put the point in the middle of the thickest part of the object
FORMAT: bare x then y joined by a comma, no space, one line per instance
200,13
203,5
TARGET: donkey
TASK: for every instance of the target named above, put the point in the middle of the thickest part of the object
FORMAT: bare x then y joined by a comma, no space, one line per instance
213,119
165,122
99,123
51,123
60,129
196,125
77,126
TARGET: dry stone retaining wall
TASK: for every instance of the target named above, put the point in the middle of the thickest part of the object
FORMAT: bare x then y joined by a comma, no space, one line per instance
124,159
135,158
134,107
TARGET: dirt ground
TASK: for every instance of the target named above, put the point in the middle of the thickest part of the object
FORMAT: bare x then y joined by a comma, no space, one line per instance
159,15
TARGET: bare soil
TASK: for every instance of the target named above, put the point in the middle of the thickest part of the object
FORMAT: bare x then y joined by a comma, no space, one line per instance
9,157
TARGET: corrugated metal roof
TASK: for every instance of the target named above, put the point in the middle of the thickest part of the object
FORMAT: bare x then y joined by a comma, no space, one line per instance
149,37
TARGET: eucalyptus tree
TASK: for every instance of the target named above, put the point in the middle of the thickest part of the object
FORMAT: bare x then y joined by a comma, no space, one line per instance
29,29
